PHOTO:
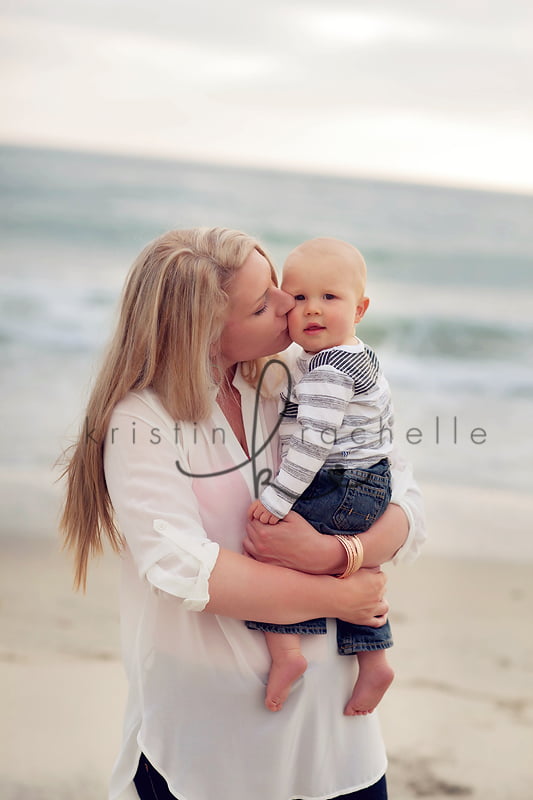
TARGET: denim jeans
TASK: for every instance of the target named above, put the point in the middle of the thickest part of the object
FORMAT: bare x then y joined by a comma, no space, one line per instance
348,502
150,785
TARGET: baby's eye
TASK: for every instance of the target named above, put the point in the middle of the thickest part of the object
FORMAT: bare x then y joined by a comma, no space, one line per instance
329,296
299,297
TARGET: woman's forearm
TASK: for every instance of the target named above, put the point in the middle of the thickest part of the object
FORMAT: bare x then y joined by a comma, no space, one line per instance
385,536
242,588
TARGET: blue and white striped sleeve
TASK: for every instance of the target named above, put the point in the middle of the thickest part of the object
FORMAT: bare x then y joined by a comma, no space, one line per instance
323,395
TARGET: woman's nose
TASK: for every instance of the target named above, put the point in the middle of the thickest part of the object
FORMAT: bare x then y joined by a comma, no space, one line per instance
285,302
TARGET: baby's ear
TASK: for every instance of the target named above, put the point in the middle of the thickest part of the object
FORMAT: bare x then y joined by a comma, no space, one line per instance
361,308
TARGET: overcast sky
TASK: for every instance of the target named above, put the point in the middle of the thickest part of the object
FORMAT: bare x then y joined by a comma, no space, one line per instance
404,89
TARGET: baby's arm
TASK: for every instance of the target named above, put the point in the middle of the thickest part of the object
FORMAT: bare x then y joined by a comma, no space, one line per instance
258,511
322,395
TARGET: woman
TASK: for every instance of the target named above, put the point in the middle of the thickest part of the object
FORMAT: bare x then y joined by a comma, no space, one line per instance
168,461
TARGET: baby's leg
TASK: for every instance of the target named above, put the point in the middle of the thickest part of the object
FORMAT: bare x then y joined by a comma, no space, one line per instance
288,663
375,677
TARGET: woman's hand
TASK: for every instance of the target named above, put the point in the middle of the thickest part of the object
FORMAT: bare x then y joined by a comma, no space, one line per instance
294,543
363,598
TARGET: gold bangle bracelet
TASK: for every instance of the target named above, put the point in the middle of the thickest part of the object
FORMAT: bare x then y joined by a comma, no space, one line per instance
354,551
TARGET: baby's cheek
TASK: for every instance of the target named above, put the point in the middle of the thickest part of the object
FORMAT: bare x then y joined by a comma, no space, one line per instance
293,316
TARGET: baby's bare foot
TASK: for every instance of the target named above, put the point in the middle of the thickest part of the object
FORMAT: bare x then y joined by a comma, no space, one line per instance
370,686
283,673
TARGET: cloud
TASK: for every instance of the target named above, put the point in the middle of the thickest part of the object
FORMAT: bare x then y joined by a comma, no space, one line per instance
332,26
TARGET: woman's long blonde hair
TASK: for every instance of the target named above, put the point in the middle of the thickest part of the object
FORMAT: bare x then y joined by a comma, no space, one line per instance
171,318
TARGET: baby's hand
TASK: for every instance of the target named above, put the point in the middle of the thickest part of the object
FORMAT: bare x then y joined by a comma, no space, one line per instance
258,511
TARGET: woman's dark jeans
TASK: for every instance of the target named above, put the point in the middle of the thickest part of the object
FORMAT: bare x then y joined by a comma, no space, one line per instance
151,785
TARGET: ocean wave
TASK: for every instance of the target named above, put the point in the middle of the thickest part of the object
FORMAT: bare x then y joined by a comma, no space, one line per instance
455,354
452,354
47,319
452,377
451,337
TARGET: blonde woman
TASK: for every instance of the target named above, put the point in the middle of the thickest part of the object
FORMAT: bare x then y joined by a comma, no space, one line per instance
175,439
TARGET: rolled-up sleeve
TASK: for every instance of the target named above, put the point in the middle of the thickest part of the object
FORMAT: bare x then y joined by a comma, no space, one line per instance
154,504
406,494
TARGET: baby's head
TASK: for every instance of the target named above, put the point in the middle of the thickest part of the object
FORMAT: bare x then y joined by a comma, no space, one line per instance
327,278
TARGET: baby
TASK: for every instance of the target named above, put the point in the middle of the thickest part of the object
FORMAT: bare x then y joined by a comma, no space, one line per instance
334,469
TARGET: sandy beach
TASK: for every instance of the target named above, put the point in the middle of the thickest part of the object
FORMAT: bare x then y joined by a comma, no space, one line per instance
458,719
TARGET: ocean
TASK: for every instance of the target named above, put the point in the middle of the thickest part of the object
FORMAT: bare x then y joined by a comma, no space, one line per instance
450,282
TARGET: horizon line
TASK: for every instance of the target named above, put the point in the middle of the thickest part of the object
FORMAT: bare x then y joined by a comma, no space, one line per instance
345,174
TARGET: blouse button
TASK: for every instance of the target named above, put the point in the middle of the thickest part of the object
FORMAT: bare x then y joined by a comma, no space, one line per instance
160,525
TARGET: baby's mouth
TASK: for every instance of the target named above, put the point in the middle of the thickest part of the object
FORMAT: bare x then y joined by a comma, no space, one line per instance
314,327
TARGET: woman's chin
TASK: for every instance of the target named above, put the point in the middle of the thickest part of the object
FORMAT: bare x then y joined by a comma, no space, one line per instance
282,342
286,342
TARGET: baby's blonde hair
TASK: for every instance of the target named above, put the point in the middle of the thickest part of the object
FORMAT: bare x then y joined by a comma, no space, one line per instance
327,245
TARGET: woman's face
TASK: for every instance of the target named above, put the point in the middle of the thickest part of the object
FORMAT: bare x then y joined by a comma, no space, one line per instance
256,321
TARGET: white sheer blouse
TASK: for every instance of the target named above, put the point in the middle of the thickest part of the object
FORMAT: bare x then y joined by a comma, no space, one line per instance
197,681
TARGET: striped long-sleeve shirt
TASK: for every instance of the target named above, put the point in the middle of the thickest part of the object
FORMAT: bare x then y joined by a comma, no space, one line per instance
339,414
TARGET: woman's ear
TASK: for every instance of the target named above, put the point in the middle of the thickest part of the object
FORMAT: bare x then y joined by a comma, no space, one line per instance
361,308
